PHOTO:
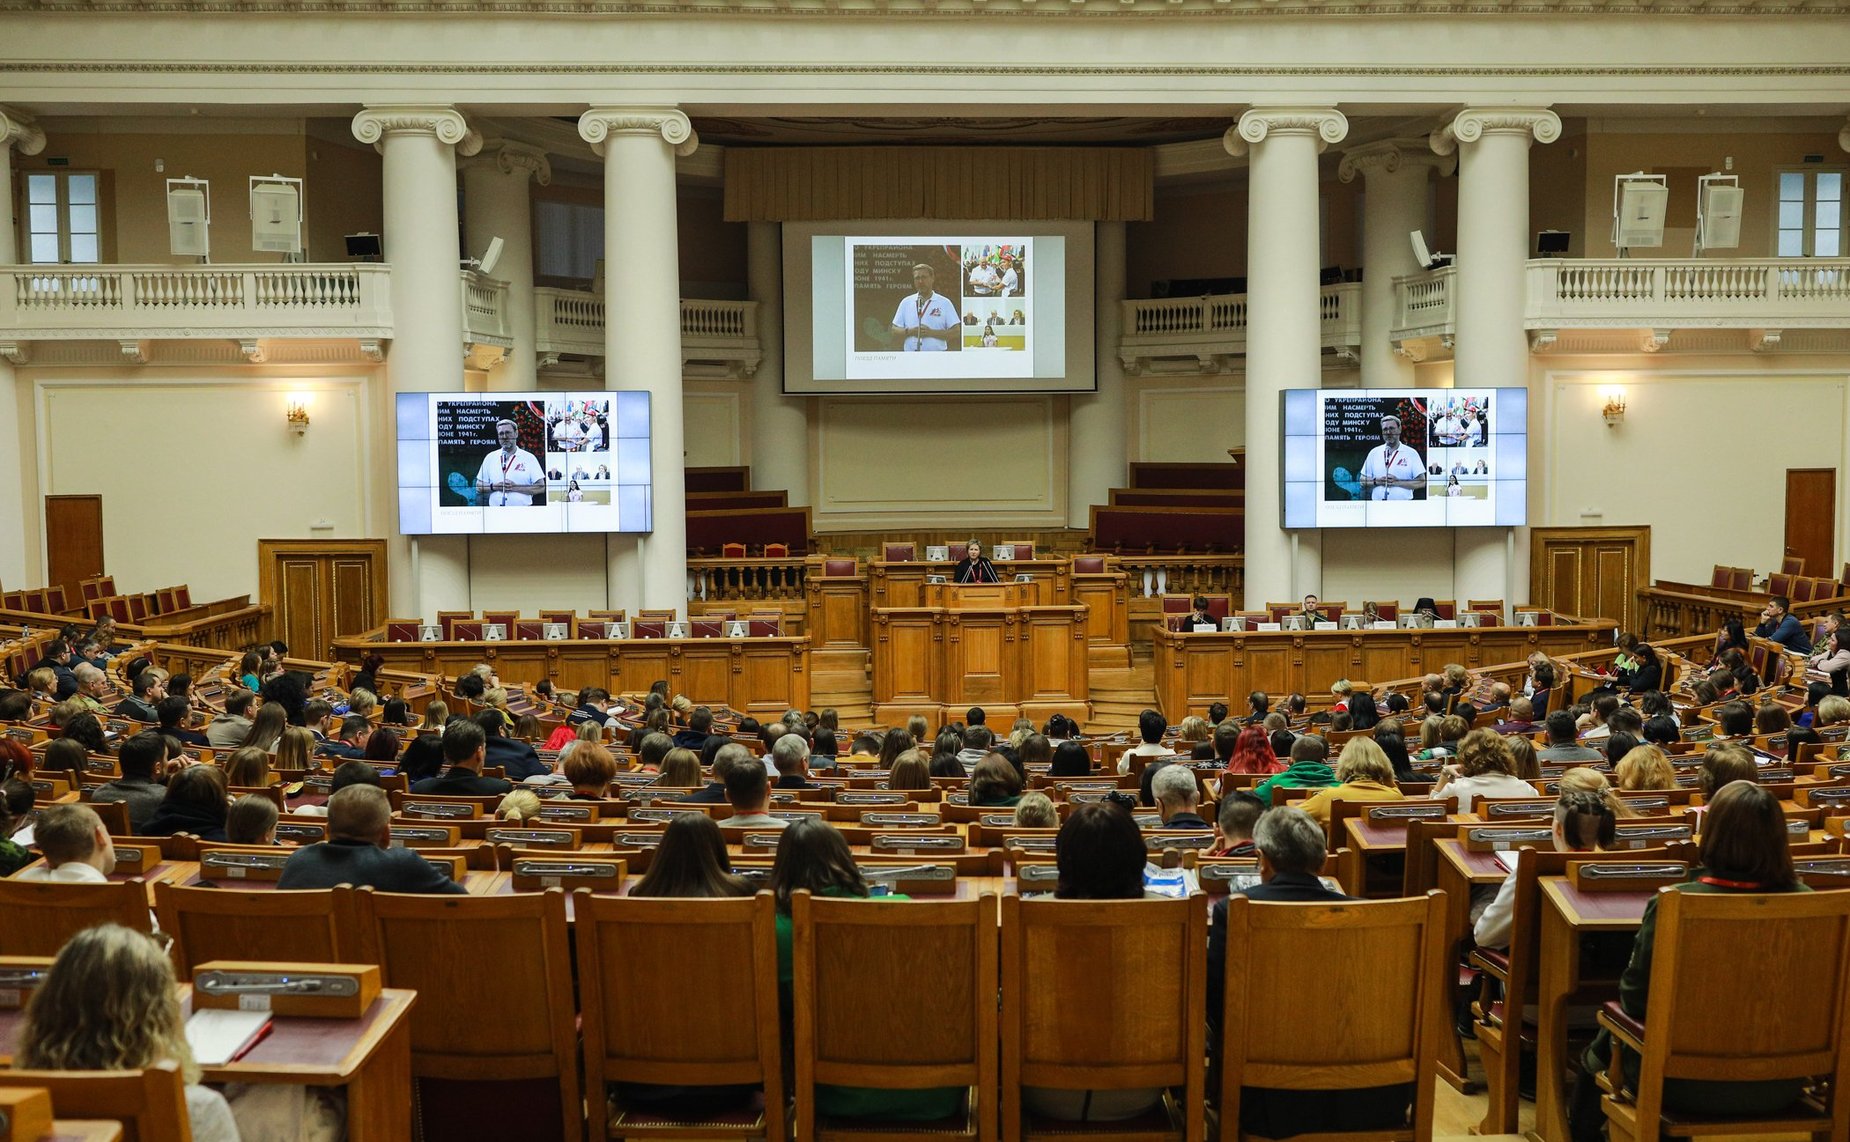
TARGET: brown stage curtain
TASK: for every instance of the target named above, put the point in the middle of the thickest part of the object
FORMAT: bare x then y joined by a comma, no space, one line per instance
814,184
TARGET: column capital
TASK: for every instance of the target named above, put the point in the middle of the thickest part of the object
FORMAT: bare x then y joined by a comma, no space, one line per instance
1326,124
599,123
374,124
1390,155
1473,123
18,130
513,158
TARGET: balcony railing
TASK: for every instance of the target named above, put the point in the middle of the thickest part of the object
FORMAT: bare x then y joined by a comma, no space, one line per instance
485,318
1201,333
1629,302
716,336
42,303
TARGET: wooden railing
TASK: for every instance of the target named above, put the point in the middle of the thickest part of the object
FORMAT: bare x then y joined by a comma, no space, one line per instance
231,628
1152,576
1686,613
745,580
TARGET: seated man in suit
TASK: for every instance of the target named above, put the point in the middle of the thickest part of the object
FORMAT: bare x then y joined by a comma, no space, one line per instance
465,746
974,568
518,759
229,729
175,715
1291,851
58,659
354,731
1312,613
791,753
1177,794
148,687
727,756
358,851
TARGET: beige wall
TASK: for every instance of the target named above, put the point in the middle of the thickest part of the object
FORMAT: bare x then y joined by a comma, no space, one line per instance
135,194
1683,156
900,461
1700,456
527,572
194,466
1186,419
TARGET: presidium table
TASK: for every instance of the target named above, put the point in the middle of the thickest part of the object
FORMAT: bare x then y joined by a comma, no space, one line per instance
993,645
1195,670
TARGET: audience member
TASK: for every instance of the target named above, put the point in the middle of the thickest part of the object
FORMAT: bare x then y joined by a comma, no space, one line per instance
690,862
251,820
1177,794
464,747
195,804
1483,769
1309,769
591,769
1070,759
1583,822
75,845
995,783
110,1003
139,759
1239,812
359,850
910,773
1151,726
1036,810
1363,773
248,769
1563,744
1644,767
748,791
1722,764
229,729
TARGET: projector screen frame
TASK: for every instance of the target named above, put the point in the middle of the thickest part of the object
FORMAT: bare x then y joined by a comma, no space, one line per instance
1079,371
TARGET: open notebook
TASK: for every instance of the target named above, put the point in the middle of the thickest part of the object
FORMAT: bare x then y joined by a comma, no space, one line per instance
219,1036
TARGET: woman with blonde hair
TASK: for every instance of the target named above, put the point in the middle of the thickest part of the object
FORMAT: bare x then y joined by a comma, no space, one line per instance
1524,762
1583,779
249,768
1363,773
522,806
436,716
1036,811
361,704
109,1004
591,730
1645,767
251,820
1194,728
295,750
680,770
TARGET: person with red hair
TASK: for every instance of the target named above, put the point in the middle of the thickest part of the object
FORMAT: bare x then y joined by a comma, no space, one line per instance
1252,753
15,760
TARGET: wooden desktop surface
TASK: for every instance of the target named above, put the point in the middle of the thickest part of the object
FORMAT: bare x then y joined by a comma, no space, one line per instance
1567,915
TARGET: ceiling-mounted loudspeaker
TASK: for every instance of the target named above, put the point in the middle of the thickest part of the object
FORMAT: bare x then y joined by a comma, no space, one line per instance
189,217
490,258
1639,203
276,214
1719,199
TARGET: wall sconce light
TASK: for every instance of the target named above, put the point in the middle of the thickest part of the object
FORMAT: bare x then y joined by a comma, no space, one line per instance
297,416
1614,410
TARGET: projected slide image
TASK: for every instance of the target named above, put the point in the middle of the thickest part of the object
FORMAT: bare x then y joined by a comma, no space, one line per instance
1404,457
1374,449
488,454
914,298
533,462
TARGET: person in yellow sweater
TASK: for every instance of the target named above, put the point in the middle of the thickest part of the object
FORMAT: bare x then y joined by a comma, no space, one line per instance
1363,773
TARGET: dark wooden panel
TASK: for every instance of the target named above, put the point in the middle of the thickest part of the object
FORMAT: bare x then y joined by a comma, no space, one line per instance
298,606
1811,515
74,541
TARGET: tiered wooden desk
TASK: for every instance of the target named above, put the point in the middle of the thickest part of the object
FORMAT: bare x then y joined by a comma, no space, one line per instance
984,644
757,676
1195,670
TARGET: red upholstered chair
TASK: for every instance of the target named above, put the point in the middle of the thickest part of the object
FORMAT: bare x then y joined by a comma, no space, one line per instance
530,630
1279,612
1801,590
138,609
465,631
764,627
119,609
1780,583
1088,564
648,628
448,620
1023,549
56,603
1741,578
899,552
608,616
93,589
1721,576
1177,604
35,600
732,551
1445,608
505,618
709,627
401,630
957,552
557,617
777,551
1792,565
839,567
722,614
183,595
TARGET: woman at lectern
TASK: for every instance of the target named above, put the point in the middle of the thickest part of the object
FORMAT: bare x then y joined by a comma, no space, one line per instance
973,568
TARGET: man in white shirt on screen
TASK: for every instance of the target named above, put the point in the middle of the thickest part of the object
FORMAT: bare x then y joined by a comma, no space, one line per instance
924,316
510,475
1392,469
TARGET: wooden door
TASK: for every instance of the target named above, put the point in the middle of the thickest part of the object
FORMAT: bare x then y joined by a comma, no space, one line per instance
322,589
1591,572
73,542
1811,515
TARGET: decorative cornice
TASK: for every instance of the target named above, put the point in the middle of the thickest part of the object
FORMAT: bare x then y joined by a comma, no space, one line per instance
599,123
18,130
1471,124
446,123
958,9
1326,124
510,157
1391,155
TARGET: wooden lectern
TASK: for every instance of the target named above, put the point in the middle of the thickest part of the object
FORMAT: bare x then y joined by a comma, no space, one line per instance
979,596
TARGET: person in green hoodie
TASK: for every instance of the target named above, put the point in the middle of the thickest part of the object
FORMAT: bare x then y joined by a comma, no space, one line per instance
813,856
1309,769
1743,849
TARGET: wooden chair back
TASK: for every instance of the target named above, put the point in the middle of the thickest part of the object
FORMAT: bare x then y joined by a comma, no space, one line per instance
1275,950
641,1034
149,1103
1059,1029
523,1027
208,924
1791,1023
41,916
1422,867
846,1007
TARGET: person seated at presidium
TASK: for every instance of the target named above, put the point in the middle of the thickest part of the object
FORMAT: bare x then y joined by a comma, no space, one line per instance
974,567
